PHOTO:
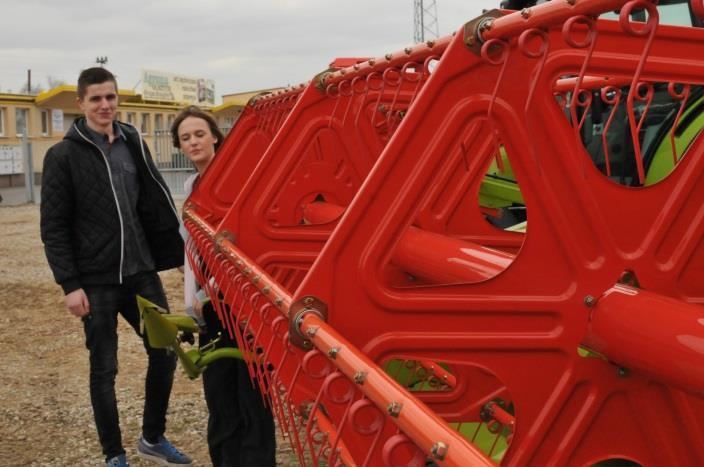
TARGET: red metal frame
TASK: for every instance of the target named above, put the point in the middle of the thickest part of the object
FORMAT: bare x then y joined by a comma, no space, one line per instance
288,271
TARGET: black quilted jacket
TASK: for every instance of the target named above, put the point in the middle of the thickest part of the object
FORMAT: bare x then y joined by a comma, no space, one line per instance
80,223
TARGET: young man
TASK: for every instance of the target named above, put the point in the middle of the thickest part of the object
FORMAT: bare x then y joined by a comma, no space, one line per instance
108,224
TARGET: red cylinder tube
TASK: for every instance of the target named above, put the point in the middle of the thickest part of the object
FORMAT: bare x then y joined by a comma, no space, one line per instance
659,336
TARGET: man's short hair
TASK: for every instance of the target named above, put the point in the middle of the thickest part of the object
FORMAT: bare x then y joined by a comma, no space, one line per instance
95,75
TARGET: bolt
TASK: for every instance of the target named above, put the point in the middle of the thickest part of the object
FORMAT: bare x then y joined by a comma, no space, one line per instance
372,62
571,2
394,409
439,450
266,289
621,372
589,301
388,56
332,353
470,41
308,300
486,25
407,50
239,263
525,13
360,376
255,279
342,71
430,44
312,330
307,344
247,270
355,66
278,301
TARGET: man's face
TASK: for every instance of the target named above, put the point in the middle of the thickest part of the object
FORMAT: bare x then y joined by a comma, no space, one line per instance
99,104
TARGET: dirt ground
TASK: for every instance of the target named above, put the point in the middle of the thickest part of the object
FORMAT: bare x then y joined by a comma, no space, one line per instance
45,413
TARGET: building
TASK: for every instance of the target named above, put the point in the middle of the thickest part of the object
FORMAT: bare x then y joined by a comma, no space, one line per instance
46,117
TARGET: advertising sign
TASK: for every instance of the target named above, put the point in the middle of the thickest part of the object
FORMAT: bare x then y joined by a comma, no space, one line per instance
161,86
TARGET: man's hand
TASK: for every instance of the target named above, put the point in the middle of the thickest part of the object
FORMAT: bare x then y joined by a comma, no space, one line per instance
77,303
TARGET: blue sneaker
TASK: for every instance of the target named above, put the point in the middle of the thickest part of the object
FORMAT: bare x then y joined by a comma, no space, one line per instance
117,461
163,453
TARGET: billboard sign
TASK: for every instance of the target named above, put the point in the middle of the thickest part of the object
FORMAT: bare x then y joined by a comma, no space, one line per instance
161,86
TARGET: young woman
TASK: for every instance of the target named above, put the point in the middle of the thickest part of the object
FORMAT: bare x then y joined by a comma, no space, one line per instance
240,427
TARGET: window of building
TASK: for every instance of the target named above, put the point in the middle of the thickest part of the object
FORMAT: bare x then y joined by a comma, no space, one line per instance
158,122
131,118
170,121
45,123
2,121
21,121
145,123
118,116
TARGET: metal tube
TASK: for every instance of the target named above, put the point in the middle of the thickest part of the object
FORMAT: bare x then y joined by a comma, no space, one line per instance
430,255
417,53
321,213
444,259
659,336
544,15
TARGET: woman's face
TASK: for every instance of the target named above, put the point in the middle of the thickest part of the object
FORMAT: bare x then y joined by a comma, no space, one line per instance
197,141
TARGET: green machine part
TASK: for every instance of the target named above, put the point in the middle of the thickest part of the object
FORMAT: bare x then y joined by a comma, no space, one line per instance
691,124
162,330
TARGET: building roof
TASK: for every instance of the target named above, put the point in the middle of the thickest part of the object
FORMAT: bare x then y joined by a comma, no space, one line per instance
65,96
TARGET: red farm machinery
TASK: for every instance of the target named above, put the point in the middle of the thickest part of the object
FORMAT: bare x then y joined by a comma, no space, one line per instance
484,249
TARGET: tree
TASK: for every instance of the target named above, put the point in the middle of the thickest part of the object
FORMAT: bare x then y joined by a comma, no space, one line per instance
53,82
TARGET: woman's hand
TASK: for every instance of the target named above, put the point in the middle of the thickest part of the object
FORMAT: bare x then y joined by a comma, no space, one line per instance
197,306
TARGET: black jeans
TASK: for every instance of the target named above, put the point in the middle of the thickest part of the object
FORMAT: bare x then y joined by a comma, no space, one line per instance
100,327
240,426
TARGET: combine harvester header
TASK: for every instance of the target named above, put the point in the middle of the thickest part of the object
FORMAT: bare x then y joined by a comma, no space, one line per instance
365,238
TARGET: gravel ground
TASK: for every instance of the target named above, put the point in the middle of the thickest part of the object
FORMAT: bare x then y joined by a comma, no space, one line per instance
45,413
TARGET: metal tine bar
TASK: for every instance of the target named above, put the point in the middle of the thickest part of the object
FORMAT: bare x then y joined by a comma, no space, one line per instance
292,416
417,53
684,97
256,356
341,427
350,97
309,425
418,422
280,388
542,16
265,375
476,432
648,30
611,96
363,99
226,292
329,93
389,114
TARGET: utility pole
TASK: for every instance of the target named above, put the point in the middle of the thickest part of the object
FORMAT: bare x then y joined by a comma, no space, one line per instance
425,20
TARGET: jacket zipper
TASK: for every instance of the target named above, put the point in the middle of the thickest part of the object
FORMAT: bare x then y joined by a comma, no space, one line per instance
114,193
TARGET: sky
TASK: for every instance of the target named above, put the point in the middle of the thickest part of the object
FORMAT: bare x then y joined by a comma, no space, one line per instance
241,45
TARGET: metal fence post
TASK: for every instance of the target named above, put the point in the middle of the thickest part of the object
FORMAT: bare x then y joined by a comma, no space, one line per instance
28,167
